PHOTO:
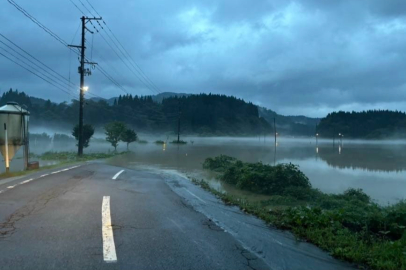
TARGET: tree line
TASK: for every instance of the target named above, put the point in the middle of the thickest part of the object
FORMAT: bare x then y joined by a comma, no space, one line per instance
203,114
371,124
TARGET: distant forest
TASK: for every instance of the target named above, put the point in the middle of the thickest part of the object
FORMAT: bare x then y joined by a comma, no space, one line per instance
290,125
373,124
203,114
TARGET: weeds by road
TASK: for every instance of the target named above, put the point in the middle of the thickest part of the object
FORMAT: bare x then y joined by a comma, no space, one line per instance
350,225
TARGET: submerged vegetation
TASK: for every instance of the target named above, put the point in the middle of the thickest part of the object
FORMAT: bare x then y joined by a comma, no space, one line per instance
179,142
350,225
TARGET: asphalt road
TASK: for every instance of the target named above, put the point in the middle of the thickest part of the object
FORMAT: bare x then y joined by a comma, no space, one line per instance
97,216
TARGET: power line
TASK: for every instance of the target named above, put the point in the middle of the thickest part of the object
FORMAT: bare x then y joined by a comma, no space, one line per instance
64,43
101,69
115,37
34,20
36,74
52,34
33,57
141,74
77,7
45,74
133,69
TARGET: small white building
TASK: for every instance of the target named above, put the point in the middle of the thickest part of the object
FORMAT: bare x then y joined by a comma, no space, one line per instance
14,121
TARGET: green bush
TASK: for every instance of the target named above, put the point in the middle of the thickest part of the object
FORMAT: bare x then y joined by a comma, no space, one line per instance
349,225
159,142
258,177
219,163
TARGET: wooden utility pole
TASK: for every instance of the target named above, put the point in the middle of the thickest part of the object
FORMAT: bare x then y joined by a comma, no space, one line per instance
274,127
83,72
179,122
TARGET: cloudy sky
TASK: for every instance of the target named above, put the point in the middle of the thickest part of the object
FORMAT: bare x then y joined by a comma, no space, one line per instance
305,57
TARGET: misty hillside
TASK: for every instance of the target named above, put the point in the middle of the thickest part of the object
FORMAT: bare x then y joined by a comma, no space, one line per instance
375,124
157,98
290,125
199,114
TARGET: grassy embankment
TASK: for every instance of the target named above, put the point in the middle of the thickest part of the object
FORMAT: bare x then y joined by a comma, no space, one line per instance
63,158
350,225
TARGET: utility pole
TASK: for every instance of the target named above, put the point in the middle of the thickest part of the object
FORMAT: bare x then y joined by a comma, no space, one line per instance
274,127
179,123
83,72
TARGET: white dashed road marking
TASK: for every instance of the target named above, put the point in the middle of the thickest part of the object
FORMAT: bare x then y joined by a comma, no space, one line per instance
31,179
117,174
26,181
109,248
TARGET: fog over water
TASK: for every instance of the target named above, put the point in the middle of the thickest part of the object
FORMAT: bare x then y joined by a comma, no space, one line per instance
377,167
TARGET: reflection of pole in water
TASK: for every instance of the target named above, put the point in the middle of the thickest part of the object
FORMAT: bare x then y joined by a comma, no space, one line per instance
274,127
177,157
339,149
317,153
274,155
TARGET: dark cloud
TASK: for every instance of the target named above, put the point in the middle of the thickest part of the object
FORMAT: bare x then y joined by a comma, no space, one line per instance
296,57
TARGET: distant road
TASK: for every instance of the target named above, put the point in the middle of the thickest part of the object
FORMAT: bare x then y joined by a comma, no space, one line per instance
96,216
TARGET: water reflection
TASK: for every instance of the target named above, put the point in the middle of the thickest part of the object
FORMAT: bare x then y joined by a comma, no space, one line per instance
385,158
379,169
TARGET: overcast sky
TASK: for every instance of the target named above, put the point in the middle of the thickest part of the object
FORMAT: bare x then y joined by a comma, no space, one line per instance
305,57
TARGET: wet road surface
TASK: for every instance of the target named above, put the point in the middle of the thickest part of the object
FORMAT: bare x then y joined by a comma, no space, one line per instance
96,216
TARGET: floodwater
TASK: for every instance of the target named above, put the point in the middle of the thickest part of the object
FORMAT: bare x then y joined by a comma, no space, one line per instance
379,168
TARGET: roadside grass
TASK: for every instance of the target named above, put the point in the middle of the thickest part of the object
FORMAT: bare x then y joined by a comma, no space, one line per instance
72,156
63,158
350,226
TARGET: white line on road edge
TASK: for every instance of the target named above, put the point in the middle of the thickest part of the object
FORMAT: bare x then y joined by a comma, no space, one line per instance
109,249
26,181
194,195
31,179
117,174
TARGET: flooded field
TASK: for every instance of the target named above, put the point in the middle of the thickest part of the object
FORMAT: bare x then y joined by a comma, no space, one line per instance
379,168
376,167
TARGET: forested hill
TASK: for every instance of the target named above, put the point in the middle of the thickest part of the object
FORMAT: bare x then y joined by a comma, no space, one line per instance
376,124
203,114
290,125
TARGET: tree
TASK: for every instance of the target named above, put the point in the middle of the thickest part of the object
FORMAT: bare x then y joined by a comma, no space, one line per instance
88,131
114,130
129,136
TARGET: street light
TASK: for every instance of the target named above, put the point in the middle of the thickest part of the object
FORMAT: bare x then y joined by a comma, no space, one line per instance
85,88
